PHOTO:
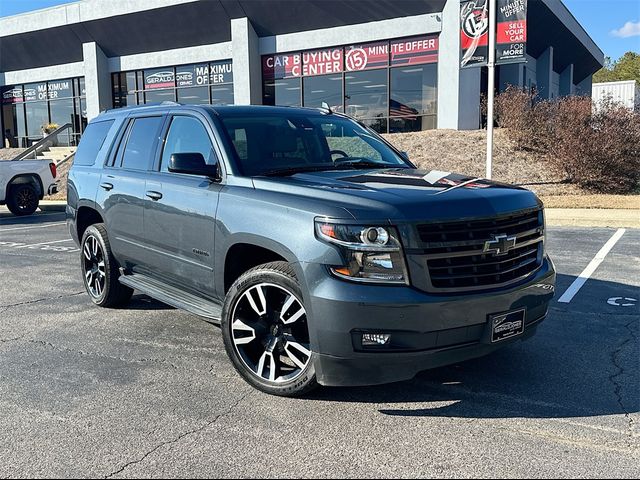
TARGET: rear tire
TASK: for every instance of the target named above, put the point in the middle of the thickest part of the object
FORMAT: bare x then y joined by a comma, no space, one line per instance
100,270
265,331
23,199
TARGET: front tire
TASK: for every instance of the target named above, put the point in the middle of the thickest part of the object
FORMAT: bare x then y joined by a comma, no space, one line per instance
23,199
265,331
100,269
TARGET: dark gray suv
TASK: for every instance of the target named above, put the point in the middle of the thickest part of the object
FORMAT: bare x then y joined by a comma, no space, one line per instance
324,254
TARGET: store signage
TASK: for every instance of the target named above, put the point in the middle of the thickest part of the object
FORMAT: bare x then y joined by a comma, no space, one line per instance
511,34
474,33
366,56
204,74
159,79
322,62
12,96
60,89
221,72
412,51
282,66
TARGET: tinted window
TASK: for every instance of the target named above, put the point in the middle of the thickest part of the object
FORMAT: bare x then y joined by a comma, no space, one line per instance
268,143
187,135
138,153
91,142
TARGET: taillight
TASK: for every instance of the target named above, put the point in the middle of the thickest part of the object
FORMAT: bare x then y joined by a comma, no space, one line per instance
54,171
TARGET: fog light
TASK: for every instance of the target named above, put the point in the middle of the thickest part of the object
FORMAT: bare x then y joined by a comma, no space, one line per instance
375,339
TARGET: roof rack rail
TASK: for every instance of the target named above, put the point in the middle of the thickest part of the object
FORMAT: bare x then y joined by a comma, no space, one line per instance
146,105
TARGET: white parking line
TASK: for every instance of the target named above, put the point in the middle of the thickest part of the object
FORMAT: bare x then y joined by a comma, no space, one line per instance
577,284
44,243
2,230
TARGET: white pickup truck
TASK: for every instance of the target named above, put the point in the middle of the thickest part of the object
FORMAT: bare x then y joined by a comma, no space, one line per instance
23,183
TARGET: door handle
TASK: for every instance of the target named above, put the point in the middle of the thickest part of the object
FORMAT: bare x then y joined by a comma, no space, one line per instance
106,185
154,195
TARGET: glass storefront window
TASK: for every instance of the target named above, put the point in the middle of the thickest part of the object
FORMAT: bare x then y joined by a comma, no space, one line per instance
388,85
193,95
222,95
37,118
62,112
413,97
324,88
28,109
285,92
366,94
158,96
200,83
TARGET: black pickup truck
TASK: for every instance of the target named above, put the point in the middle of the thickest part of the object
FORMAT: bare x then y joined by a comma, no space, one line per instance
324,254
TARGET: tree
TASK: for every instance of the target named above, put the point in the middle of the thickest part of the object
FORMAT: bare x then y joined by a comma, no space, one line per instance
626,67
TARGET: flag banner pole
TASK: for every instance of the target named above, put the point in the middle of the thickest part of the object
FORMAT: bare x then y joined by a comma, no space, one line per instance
491,84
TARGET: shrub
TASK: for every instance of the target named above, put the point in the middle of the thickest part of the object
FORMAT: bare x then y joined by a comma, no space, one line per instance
600,151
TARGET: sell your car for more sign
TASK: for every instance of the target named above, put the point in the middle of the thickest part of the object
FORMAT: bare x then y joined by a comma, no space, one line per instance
511,32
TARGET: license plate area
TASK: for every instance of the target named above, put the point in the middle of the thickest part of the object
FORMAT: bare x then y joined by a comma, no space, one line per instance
507,324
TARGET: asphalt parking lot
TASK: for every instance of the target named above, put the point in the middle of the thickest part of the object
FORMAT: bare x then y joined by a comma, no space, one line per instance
148,390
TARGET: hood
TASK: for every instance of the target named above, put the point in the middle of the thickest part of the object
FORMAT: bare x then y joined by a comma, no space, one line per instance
405,194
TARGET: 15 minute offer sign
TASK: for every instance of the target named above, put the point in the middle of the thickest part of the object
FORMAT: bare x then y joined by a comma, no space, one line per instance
511,31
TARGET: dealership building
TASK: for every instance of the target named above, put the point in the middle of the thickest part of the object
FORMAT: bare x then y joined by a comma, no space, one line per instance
393,64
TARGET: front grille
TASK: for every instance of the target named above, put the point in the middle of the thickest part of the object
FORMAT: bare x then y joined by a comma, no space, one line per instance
455,257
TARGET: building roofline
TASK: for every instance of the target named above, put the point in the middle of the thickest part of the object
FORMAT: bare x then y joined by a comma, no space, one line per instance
76,12
560,10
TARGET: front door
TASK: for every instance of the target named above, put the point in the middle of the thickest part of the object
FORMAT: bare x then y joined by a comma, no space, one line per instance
180,210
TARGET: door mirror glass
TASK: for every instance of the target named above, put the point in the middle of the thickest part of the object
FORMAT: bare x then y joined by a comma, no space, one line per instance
192,163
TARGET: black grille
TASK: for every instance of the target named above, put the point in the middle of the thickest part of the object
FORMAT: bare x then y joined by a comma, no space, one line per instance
455,251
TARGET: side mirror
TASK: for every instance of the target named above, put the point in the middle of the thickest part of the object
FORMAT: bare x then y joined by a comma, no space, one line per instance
405,155
192,164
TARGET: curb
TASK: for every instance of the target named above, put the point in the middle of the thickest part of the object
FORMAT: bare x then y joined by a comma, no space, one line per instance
591,217
52,206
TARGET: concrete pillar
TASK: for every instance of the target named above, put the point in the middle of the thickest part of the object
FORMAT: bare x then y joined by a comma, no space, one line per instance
97,79
544,69
566,81
247,73
584,87
458,89
512,74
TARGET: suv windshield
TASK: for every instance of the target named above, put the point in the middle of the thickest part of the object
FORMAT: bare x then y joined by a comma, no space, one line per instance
279,144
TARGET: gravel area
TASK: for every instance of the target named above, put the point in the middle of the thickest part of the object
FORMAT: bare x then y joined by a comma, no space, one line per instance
465,152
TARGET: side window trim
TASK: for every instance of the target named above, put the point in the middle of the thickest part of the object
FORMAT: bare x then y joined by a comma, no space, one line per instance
207,128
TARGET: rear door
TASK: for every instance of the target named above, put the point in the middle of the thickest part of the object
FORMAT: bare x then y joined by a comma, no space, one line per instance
180,209
121,192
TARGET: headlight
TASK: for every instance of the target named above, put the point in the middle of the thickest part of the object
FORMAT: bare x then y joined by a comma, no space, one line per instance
372,253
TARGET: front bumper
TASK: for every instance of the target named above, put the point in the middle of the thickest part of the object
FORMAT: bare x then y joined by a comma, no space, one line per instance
427,330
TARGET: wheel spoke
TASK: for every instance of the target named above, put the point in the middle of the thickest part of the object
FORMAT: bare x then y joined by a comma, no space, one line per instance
240,326
87,251
292,348
285,308
262,299
89,275
101,269
98,286
262,363
94,242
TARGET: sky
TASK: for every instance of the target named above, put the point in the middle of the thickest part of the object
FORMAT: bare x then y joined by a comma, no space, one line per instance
613,24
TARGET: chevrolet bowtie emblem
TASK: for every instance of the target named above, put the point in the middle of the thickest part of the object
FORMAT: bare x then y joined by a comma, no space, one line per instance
500,245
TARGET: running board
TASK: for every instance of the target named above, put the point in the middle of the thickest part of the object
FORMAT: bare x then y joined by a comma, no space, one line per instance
173,296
